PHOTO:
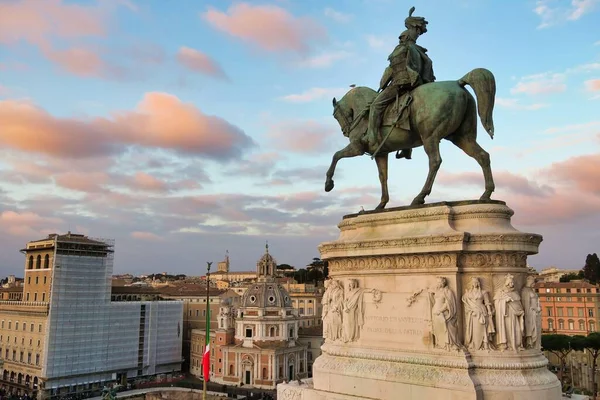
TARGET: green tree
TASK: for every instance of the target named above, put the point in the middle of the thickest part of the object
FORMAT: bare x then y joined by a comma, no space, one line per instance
592,344
572,276
300,275
559,345
591,270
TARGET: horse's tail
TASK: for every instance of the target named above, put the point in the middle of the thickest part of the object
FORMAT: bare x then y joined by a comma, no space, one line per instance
483,83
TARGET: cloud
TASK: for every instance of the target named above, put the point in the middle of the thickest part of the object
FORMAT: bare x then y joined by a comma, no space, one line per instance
27,223
268,27
43,24
313,94
592,85
197,61
376,42
338,16
586,127
545,83
302,136
160,120
552,15
324,60
148,236
514,183
514,104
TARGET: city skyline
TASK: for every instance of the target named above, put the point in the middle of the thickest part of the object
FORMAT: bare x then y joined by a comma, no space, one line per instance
186,130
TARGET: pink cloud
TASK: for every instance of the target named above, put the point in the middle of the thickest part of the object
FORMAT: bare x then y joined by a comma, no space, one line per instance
89,182
581,172
149,236
302,136
27,223
148,182
269,27
35,22
197,61
592,85
506,180
160,120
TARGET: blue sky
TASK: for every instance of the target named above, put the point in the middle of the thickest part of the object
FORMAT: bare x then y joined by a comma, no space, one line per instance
185,129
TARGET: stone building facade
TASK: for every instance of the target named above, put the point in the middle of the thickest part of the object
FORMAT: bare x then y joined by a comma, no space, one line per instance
569,308
256,344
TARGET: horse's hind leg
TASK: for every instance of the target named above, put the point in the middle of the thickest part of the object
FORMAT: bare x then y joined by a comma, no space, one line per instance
432,148
465,138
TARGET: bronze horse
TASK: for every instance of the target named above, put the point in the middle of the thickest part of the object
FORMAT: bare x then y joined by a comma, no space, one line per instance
439,110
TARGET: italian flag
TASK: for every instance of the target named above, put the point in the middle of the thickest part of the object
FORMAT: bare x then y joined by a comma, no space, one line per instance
206,355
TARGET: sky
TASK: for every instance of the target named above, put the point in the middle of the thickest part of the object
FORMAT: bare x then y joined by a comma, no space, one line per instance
184,129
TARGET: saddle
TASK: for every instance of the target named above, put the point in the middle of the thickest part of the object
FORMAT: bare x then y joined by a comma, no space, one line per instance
391,114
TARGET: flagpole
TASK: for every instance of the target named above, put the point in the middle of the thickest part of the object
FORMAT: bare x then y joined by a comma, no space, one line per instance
206,371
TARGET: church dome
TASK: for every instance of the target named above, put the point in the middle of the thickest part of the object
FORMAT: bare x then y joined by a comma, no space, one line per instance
266,295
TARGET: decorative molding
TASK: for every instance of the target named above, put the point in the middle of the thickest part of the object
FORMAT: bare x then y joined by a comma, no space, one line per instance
517,237
290,393
363,263
493,259
419,241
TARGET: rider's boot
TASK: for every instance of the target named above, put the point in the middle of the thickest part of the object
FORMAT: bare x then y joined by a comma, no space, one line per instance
405,153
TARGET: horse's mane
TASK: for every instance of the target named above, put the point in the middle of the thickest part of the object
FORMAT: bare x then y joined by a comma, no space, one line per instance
358,96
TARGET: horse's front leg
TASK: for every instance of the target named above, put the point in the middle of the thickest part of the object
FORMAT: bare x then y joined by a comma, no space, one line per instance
352,150
382,168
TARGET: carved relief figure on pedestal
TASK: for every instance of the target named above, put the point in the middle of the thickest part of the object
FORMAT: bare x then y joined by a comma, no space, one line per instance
533,315
354,311
509,316
443,316
333,304
479,321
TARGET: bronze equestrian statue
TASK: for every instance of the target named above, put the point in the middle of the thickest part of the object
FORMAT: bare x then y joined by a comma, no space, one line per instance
412,110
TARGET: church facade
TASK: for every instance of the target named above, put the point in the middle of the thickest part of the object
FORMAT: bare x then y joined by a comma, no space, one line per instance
257,343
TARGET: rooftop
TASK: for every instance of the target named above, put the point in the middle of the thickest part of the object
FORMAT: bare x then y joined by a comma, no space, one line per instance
571,284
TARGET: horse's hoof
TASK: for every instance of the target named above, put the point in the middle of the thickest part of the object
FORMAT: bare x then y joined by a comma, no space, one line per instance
329,186
417,201
381,206
486,196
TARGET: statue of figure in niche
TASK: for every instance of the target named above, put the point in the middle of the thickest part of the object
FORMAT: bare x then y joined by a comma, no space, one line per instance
509,316
533,314
444,316
354,311
333,304
479,321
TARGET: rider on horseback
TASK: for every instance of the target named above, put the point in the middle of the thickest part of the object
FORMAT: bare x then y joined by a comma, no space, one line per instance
409,67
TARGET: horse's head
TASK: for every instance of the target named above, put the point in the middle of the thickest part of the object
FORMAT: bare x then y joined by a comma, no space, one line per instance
352,106
343,114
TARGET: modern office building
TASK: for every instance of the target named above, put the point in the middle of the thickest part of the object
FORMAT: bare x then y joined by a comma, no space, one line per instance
67,337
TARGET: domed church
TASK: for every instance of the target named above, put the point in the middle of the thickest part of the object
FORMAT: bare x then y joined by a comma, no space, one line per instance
257,344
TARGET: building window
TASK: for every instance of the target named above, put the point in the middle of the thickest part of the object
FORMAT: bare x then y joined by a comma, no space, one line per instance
46,264
580,312
231,370
40,328
204,313
31,328
37,359
14,358
29,281
560,299
568,290
571,325
550,325
559,312
592,326
581,326
248,332
43,296
9,324
197,313
30,266
590,312
549,311
578,290
24,326
37,280
264,373
35,296
16,325
38,262
569,311
561,324
27,297
22,357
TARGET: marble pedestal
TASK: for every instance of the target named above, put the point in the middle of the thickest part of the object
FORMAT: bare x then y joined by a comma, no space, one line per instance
395,320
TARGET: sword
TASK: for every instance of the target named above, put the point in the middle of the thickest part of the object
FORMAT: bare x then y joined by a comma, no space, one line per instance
404,106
